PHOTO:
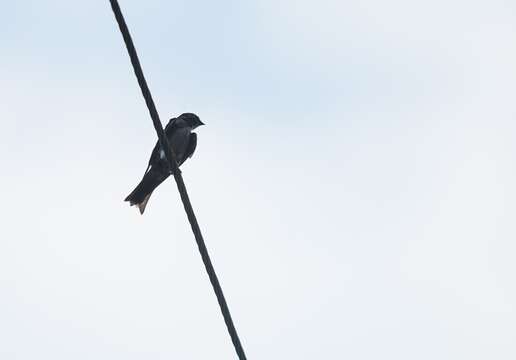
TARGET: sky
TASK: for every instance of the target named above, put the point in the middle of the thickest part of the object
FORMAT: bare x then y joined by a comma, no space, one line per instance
354,181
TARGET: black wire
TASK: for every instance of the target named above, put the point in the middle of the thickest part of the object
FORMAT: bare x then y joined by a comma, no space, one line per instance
179,179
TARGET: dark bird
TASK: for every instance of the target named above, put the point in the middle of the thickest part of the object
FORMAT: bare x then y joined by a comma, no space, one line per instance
182,141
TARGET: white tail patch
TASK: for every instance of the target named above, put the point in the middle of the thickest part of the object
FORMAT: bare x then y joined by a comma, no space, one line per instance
143,204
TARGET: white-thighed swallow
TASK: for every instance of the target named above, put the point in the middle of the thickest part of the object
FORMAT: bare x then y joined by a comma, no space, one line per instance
182,141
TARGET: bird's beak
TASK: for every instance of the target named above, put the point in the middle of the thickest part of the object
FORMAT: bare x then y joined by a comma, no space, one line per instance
200,123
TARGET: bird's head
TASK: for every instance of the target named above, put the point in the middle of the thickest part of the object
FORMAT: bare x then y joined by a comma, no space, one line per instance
191,120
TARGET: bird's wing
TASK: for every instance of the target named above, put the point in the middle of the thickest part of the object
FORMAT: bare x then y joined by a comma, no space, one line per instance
190,148
169,129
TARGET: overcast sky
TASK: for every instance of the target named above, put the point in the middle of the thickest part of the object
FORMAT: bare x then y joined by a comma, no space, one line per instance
355,180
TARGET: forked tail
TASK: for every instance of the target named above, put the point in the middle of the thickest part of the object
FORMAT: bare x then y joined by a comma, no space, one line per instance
141,194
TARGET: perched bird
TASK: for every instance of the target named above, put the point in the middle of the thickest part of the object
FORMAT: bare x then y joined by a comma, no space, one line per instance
182,141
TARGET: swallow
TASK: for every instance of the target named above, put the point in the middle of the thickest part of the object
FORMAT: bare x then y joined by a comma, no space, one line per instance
183,141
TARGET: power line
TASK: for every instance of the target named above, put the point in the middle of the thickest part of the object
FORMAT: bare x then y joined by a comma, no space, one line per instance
171,159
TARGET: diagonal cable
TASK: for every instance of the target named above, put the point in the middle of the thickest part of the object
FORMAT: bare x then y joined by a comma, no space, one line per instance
179,179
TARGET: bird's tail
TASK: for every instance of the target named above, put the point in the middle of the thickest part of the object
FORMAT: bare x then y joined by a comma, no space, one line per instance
141,194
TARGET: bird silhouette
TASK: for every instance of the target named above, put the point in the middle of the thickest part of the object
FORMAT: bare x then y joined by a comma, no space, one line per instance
183,141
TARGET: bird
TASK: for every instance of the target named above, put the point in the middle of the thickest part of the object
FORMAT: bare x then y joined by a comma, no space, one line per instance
182,141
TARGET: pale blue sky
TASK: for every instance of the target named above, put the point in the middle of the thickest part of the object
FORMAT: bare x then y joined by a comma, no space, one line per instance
354,180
